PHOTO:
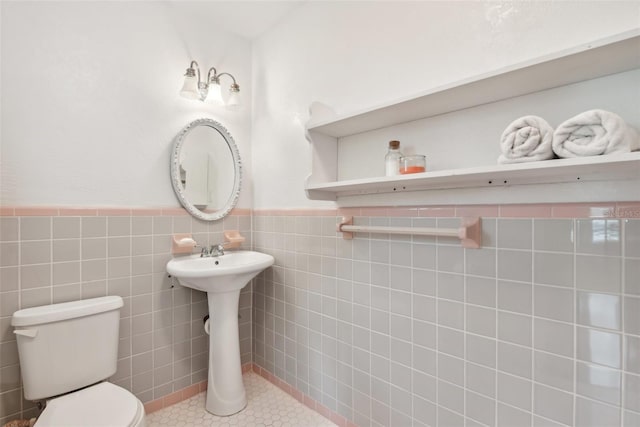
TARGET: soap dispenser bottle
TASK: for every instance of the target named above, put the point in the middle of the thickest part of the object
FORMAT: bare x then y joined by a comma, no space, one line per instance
392,159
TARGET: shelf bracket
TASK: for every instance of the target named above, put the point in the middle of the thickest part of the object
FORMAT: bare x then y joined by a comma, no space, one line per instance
469,232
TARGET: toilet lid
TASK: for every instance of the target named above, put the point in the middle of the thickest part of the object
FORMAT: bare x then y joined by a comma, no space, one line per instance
100,405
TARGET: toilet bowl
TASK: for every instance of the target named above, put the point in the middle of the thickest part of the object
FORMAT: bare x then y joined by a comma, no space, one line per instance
67,352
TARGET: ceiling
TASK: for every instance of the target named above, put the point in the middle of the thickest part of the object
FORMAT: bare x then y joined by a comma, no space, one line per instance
248,19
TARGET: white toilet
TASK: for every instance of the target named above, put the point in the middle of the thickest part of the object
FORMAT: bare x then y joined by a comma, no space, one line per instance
67,351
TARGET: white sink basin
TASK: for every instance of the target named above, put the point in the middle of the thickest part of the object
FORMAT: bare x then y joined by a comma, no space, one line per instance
221,278
224,273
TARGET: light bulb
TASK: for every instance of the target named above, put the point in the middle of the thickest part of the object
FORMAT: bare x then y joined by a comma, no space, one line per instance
190,87
234,97
215,94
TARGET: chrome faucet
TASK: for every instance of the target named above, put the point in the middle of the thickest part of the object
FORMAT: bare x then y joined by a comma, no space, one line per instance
216,250
213,251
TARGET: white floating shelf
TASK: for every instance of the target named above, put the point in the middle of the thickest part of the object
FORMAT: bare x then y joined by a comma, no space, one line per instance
611,55
597,168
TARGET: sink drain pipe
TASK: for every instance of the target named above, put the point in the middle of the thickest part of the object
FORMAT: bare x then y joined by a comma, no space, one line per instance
205,320
206,323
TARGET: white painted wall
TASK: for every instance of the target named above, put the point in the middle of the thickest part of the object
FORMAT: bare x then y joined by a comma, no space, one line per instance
89,90
354,55
90,104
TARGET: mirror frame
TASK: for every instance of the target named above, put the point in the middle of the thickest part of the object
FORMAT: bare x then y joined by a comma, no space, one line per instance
175,167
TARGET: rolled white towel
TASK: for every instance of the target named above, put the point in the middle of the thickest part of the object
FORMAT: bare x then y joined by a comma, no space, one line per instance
593,133
527,139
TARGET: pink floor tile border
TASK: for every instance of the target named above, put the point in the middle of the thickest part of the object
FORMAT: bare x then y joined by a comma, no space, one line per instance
337,419
175,397
188,392
183,394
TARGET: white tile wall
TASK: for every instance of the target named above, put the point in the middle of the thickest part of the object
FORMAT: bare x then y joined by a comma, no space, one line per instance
163,347
540,327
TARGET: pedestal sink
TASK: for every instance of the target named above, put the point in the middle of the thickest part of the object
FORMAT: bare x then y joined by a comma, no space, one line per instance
222,278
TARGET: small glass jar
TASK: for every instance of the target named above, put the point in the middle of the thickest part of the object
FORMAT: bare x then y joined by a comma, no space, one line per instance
413,164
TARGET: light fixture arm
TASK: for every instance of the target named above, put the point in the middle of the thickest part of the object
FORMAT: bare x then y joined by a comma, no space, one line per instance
215,75
197,68
227,74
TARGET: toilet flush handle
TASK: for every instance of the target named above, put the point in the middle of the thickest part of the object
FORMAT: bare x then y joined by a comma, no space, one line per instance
31,333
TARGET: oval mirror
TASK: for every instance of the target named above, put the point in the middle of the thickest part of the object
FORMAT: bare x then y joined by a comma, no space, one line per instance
206,170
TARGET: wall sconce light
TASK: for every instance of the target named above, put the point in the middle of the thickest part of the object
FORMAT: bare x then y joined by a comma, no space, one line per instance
209,90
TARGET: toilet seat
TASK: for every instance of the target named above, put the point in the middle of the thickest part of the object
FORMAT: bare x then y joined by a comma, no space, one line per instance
101,405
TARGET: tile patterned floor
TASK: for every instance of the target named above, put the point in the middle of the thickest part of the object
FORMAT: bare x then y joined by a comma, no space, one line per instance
268,406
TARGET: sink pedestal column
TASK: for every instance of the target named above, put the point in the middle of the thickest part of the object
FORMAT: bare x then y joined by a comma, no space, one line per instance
225,391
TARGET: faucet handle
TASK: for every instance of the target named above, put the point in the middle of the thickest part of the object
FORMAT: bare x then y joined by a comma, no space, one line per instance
204,252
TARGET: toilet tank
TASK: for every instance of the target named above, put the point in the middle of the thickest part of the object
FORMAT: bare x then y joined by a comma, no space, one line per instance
67,346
